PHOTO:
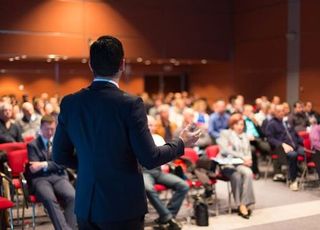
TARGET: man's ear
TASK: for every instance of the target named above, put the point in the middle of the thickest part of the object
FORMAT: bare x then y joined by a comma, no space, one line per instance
122,65
89,63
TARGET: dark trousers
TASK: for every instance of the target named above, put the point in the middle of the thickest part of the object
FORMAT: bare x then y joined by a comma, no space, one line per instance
134,224
263,147
54,191
289,159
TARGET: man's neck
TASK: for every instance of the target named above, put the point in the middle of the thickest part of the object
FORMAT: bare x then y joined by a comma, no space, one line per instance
113,80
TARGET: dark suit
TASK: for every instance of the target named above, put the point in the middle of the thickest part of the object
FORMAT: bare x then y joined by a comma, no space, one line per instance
51,184
108,129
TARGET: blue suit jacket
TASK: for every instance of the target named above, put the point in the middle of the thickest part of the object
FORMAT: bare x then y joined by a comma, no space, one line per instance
103,132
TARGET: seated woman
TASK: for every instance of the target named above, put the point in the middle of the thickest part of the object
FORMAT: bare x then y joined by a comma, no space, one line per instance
315,142
234,143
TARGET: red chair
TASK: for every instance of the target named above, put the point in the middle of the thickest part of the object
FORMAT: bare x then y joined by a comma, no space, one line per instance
307,159
190,155
17,161
28,139
212,152
8,147
5,203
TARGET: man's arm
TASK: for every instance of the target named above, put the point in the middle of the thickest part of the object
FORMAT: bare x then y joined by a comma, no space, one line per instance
63,150
37,164
270,136
149,155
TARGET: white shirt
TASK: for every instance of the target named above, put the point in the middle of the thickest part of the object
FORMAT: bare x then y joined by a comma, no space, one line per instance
158,140
106,80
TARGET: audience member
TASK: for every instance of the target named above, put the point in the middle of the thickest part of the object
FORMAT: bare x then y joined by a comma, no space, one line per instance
263,113
276,100
315,142
201,116
218,120
9,130
188,119
175,112
310,112
235,144
298,119
256,138
167,213
286,144
165,127
30,122
49,180
38,105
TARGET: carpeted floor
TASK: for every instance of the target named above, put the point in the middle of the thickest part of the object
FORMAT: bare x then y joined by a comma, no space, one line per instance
276,208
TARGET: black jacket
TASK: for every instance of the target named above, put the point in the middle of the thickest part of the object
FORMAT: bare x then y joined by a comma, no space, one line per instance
108,130
37,152
276,134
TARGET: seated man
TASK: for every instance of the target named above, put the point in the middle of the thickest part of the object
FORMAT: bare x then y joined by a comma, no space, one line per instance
218,120
166,214
298,119
286,143
9,130
30,122
49,181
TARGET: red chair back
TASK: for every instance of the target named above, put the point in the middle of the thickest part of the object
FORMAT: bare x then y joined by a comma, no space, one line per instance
212,151
304,134
191,155
17,161
8,147
28,139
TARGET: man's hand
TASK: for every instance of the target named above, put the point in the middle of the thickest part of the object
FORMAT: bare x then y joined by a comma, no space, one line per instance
190,136
287,148
36,166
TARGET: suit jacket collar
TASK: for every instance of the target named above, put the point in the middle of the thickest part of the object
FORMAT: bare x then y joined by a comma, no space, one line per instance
40,143
96,85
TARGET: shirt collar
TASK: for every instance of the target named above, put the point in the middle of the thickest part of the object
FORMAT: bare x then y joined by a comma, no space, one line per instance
97,79
45,140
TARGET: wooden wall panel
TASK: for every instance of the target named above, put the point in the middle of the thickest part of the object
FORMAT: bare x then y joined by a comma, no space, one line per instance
260,48
310,50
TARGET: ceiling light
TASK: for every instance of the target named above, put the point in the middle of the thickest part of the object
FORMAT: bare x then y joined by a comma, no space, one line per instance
204,61
17,58
139,59
172,60
49,60
23,56
84,60
11,59
147,62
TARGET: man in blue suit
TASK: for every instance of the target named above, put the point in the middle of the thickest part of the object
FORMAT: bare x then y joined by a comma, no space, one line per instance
49,180
103,132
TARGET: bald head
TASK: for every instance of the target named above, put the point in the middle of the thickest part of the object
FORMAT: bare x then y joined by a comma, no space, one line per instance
279,111
27,109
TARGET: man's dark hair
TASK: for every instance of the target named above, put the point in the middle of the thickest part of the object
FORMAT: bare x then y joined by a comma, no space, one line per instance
106,55
297,103
47,119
